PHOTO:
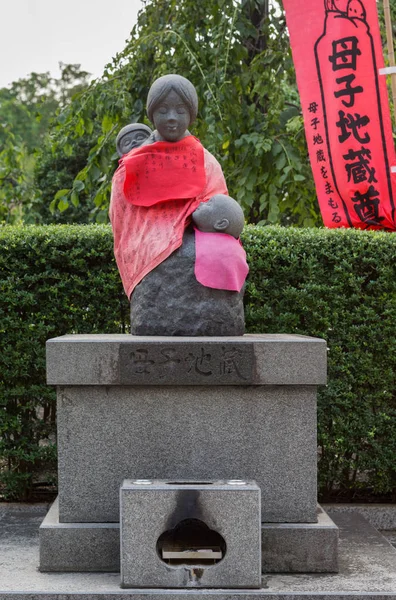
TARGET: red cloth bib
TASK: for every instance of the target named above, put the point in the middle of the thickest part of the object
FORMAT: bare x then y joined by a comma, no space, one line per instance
164,171
144,236
220,261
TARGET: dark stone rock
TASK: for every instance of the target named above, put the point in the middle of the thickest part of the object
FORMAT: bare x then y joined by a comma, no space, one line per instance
170,301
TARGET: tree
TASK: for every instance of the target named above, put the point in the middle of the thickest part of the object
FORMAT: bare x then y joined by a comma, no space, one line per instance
236,52
29,105
16,178
237,55
27,108
54,173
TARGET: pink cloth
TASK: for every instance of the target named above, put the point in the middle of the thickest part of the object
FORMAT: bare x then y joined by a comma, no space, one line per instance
144,236
220,261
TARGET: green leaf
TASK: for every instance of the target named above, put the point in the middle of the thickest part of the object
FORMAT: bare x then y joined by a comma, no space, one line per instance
107,123
78,185
74,199
79,128
96,172
82,175
89,126
63,205
61,193
276,148
280,162
98,199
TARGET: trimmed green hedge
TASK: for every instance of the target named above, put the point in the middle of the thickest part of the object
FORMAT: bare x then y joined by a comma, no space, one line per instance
336,284
53,280
339,285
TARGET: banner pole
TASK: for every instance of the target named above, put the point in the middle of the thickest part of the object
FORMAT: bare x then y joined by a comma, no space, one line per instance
391,52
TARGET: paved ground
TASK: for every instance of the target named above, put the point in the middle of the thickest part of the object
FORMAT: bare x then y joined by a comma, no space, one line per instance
367,569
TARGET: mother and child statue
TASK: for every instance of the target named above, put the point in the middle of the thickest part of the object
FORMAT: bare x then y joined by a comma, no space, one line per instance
176,230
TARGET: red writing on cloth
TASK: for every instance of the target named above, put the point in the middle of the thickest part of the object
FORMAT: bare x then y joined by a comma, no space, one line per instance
337,53
163,171
144,236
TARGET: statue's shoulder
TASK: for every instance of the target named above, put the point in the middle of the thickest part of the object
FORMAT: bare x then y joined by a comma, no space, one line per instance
211,162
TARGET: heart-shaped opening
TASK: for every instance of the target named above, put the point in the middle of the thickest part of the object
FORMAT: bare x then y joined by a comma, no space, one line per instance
191,542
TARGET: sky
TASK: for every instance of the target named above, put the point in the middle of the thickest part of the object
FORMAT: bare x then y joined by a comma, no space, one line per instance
38,34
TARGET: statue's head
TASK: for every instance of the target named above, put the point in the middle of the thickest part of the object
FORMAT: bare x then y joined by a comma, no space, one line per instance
131,136
220,214
172,105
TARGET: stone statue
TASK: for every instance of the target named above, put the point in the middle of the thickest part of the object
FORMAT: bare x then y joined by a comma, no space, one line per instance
131,136
159,190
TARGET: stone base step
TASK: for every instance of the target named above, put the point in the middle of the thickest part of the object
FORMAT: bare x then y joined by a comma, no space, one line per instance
95,547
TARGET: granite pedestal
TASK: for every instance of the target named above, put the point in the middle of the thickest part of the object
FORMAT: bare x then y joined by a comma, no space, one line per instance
187,409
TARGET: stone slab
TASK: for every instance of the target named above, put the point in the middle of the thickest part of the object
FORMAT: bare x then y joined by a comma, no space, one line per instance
228,516
380,516
300,547
367,570
132,360
308,548
108,434
82,547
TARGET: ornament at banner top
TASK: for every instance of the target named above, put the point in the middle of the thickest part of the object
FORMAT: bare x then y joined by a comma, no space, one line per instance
356,10
353,9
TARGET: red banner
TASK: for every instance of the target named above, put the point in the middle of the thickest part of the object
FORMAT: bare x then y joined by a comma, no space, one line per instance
337,53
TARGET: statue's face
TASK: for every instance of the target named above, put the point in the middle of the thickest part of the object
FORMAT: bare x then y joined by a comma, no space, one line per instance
205,216
171,117
131,140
